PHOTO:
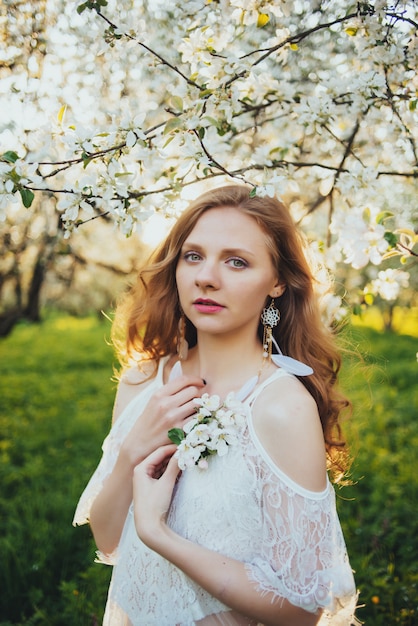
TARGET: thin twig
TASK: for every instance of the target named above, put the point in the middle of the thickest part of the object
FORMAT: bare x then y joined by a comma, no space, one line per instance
151,51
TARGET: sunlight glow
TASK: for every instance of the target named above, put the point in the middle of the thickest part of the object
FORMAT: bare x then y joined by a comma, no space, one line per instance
155,229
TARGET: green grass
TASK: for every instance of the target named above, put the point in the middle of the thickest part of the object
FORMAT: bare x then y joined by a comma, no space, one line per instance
55,407
379,511
56,396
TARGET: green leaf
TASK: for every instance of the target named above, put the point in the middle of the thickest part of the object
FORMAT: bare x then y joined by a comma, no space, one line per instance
10,156
169,140
172,124
205,93
27,197
176,435
253,192
366,214
177,103
391,238
211,120
86,159
383,215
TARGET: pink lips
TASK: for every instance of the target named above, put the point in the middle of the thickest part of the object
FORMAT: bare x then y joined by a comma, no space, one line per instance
207,306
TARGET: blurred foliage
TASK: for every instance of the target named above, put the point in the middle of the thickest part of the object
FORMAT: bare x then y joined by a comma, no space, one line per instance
378,510
55,405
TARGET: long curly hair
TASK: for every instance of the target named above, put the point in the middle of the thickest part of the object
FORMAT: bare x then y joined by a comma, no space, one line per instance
150,312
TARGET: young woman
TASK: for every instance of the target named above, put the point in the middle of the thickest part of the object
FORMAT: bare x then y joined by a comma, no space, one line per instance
247,532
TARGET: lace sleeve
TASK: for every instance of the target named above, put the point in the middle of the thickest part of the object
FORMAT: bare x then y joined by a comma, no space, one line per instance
303,557
110,451
110,448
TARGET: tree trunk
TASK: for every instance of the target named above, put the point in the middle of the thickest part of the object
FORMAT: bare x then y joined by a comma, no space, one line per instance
388,318
8,320
32,308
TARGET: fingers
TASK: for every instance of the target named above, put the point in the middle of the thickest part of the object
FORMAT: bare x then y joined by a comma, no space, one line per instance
169,407
175,401
160,463
172,471
183,382
157,459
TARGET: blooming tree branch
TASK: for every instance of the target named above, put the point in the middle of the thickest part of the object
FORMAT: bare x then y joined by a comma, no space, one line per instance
314,103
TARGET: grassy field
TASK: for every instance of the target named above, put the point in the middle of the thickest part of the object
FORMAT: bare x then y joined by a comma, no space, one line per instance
56,396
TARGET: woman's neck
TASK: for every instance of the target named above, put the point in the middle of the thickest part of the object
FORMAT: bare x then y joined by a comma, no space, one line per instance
224,365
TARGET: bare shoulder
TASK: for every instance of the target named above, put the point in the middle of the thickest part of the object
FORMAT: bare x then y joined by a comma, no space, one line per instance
287,423
131,383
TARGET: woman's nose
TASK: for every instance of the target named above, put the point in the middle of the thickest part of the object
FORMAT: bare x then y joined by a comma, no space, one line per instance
207,275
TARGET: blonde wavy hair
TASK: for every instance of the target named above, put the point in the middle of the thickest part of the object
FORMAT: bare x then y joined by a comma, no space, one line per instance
149,313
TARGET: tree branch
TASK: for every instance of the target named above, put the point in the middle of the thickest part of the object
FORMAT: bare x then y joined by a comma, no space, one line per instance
148,49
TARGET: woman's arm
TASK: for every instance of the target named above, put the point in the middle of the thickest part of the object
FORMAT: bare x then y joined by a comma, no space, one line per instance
224,578
169,407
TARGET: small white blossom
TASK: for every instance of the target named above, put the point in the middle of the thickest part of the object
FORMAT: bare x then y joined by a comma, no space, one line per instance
216,426
27,173
208,403
187,454
360,238
314,112
388,283
269,184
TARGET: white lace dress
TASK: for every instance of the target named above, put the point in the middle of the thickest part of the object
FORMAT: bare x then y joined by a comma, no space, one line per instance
242,506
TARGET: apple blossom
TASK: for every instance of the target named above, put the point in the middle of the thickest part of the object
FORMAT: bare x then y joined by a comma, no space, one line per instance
314,104
388,283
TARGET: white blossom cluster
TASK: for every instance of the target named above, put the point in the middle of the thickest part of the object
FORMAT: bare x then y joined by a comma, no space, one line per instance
388,284
313,102
216,426
360,237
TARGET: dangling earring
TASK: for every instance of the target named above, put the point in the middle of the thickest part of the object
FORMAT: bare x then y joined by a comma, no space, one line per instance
270,317
182,345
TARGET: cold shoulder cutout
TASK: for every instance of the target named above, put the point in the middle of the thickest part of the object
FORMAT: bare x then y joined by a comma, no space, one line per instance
286,428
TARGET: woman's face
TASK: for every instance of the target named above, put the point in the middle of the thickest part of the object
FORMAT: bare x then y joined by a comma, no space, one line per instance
225,273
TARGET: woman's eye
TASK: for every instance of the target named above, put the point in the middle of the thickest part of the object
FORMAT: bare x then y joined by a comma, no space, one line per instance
192,256
237,263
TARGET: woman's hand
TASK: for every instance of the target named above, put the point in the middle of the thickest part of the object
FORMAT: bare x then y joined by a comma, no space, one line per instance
170,407
153,485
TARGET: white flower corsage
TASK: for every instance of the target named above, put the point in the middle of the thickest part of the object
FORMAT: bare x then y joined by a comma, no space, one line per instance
216,426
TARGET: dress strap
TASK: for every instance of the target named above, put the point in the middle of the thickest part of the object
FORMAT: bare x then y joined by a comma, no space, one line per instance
248,392
161,364
279,373
176,370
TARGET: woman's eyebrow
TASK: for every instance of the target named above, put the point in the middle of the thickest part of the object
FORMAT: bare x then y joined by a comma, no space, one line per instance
232,251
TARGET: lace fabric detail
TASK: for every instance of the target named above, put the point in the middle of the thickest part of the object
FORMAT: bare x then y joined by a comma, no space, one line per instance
110,449
301,554
244,507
